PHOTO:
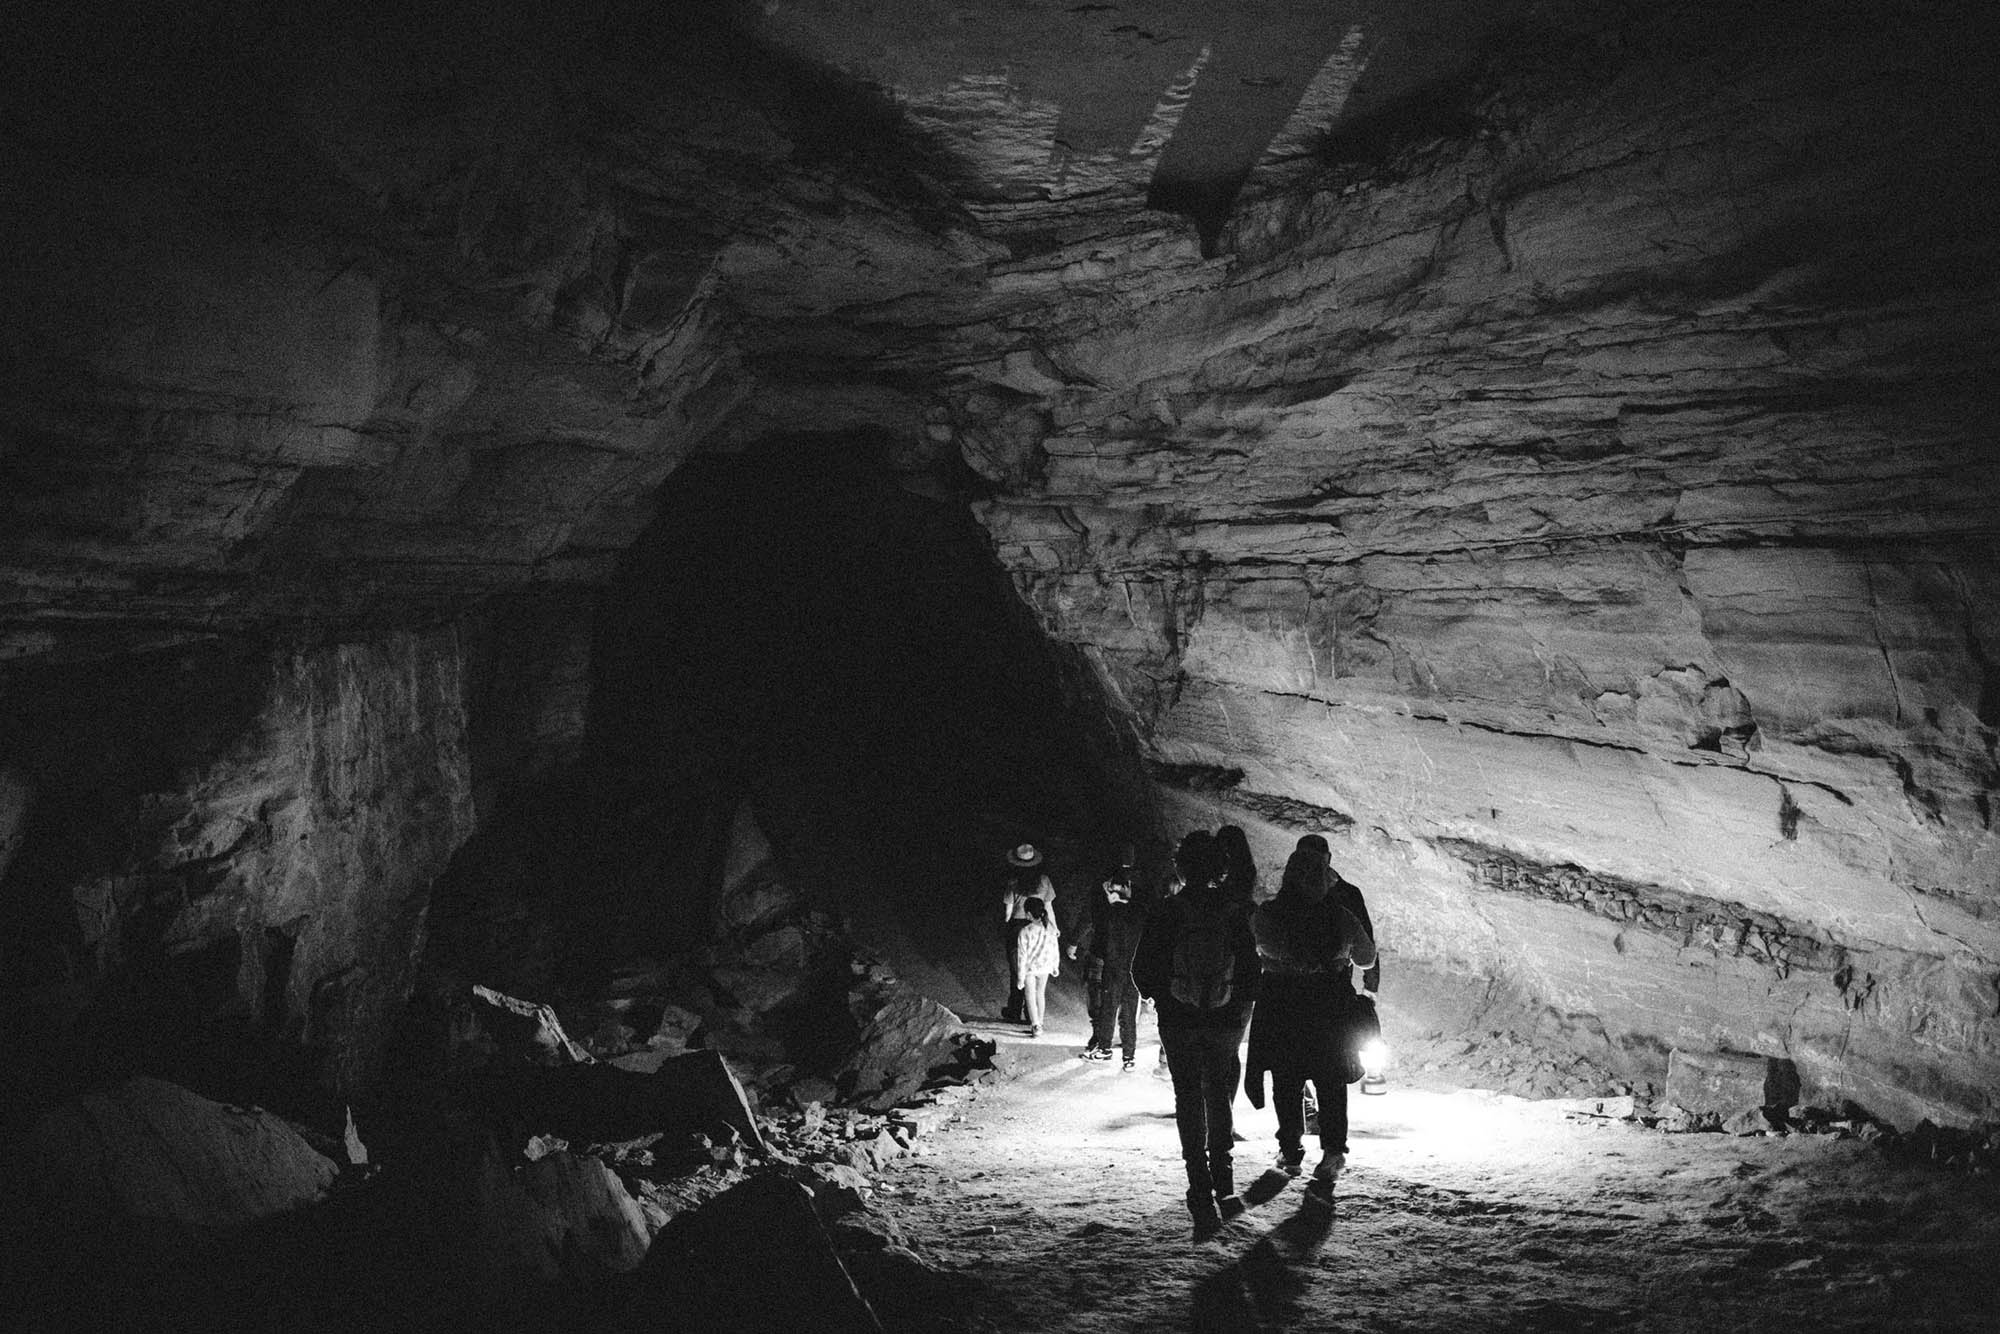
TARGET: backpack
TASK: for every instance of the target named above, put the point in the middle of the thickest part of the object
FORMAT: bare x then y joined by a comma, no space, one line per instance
1204,958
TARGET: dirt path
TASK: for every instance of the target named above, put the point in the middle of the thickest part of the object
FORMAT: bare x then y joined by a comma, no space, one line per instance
1059,1197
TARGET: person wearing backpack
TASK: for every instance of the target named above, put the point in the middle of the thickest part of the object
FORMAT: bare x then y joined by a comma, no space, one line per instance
1308,942
1197,959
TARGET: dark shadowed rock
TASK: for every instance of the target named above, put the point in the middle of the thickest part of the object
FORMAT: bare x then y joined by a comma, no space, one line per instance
695,1094
546,1216
115,1207
528,1030
755,1260
153,1158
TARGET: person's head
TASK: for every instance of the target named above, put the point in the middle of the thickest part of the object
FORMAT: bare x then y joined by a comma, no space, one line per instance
1234,843
1306,876
1119,876
1036,909
1197,859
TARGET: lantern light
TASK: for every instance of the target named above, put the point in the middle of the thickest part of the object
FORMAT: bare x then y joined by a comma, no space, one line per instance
1374,1061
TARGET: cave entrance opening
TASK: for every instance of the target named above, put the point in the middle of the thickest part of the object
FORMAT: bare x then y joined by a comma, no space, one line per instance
799,628
819,716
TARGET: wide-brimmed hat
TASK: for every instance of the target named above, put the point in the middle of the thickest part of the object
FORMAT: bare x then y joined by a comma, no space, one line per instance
1025,855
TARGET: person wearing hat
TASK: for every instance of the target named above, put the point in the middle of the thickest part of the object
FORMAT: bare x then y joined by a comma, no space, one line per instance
1024,881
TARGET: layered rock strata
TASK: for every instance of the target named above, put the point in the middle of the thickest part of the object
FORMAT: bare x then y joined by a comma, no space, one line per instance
1588,514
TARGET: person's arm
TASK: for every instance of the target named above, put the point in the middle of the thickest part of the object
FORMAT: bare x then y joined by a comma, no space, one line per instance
1371,979
1356,942
1085,933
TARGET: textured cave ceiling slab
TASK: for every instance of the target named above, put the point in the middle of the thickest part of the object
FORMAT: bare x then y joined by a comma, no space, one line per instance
326,329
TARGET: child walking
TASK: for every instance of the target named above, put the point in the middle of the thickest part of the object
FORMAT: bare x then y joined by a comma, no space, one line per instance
1037,955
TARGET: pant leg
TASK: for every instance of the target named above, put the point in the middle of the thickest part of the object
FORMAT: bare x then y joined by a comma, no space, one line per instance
1127,1009
1288,1092
1330,1085
1017,1001
1104,1018
1222,1052
1190,1109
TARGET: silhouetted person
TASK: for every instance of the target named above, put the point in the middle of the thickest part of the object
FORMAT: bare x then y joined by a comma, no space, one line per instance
1308,943
1024,881
1107,940
1198,961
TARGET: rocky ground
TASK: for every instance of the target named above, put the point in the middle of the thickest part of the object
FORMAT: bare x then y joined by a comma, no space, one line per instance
1056,1199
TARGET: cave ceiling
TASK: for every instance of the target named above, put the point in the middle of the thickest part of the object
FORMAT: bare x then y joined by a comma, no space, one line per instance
341,322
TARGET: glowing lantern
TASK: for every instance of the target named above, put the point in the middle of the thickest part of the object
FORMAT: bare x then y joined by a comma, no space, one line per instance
1374,1060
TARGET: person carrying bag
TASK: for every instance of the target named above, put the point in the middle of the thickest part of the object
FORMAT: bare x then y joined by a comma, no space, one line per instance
1309,1023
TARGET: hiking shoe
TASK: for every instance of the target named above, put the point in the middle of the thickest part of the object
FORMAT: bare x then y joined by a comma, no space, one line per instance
1130,1065
1097,1053
1291,1164
1329,1169
1034,1030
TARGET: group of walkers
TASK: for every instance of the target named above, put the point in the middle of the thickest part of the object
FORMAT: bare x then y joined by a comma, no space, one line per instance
1216,964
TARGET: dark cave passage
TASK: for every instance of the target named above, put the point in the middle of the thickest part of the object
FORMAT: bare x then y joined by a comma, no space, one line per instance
793,615
802,654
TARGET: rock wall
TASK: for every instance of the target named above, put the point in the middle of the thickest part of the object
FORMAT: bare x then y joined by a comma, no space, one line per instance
228,855
1577,496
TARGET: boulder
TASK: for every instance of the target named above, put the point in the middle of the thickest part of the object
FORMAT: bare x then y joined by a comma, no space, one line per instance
755,1258
562,1205
1677,1120
1749,1121
153,1158
529,1029
484,1224
1727,1083
905,1040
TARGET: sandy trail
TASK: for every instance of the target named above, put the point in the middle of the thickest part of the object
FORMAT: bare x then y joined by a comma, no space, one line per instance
1058,1199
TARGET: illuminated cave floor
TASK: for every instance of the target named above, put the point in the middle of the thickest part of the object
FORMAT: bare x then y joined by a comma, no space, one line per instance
1057,1202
